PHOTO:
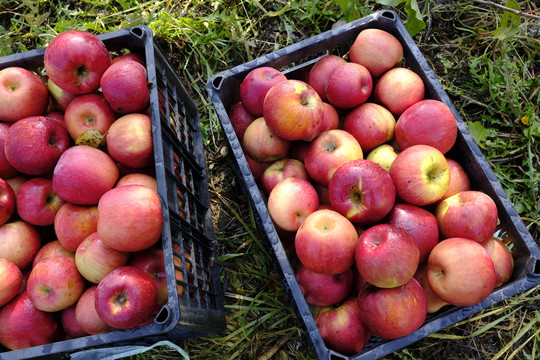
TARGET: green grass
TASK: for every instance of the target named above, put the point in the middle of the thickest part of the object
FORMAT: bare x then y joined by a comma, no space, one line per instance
486,59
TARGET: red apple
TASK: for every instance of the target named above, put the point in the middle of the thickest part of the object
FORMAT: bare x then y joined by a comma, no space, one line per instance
152,262
329,151
386,256
255,85
288,214
55,283
434,302
86,315
398,89
6,169
324,289
377,50
318,75
280,170
459,180
293,110
52,248
61,97
371,125
420,223
502,258
330,119
138,179
138,57
17,181
19,243
125,297
257,168
24,326
383,155
461,272
342,328
349,85
240,119
468,214
262,144
73,223
421,175
362,191
130,218
70,324
22,94
88,112
299,150
395,312
125,87
94,259
11,280
75,60
129,141
416,126
33,145
7,202
83,174
37,203
325,242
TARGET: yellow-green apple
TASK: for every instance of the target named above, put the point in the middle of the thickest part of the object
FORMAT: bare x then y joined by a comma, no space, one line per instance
126,297
7,202
469,214
434,302
52,248
130,218
61,97
377,50
37,203
6,169
398,89
83,174
94,259
459,179
152,262
240,119
293,110
371,125
88,112
75,60
362,191
125,87
22,94
11,280
328,151
129,141
420,223
262,144
34,144
325,242
386,256
73,223
330,119
24,326
70,324
138,179
417,124
421,175
384,155
86,315
19,243
342,328
502,258
280,170
324,289
349,85
255,85
391,313
288,214
461,272
55,283
318,74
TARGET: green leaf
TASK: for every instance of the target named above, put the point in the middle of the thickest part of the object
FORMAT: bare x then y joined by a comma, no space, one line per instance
350,11
480,133
415,20
509,22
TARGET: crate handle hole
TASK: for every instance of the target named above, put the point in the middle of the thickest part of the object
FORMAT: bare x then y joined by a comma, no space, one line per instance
389,15
217,81
536,269
139,32
163,315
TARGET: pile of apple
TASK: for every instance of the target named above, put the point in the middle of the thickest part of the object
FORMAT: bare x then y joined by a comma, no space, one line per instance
78,223
353,161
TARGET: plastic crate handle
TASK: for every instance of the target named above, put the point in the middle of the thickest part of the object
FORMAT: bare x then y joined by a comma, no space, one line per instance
112,353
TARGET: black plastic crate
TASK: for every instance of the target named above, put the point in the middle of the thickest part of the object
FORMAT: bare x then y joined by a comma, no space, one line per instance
295,61
187,222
